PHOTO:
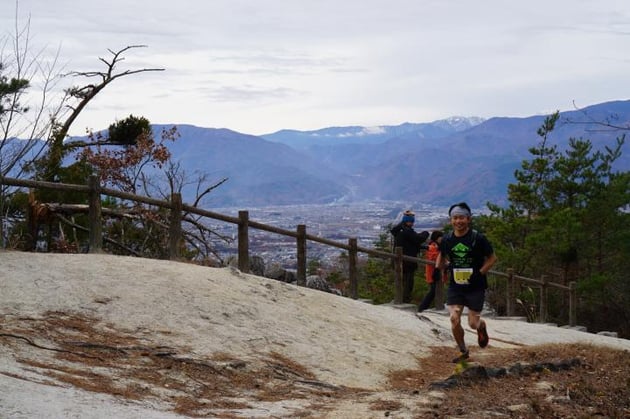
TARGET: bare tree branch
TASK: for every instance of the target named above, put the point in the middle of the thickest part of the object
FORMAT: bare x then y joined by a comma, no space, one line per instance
85,94
606,125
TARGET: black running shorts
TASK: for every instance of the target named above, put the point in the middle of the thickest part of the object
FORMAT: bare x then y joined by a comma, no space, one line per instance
462,297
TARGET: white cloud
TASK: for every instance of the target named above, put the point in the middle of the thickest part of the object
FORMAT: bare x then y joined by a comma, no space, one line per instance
257,66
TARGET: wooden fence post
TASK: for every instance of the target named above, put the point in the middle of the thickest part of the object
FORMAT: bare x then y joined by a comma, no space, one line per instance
509,294
31,221
175,227
301,254
572,303
243,241
95,220
352,268
398,282
544,288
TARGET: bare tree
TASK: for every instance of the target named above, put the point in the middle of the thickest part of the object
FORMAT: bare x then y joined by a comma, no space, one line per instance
197,233
27,105
81,97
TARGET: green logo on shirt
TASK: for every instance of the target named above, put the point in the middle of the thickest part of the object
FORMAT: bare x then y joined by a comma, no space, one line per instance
460,250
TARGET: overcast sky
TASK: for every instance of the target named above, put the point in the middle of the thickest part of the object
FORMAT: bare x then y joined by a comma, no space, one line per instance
258,66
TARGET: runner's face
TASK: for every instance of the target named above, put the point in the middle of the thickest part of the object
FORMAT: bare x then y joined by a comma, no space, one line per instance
460,223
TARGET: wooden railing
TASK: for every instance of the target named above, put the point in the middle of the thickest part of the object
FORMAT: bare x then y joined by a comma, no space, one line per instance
94,191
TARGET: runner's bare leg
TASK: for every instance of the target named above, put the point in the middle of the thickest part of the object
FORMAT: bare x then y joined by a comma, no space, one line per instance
474,319
455,312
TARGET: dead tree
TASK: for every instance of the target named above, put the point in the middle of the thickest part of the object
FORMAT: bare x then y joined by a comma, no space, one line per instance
84,95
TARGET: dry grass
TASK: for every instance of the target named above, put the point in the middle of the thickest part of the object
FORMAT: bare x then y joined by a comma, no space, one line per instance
75,350
79,351
598,387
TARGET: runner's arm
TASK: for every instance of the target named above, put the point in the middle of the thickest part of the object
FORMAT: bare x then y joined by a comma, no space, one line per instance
487,264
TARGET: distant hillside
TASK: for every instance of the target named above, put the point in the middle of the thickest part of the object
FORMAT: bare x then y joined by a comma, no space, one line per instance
259,172
326,138
440,162
430,163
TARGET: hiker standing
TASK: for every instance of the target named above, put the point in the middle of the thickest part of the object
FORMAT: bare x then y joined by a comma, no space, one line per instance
466,255
431,274
410,241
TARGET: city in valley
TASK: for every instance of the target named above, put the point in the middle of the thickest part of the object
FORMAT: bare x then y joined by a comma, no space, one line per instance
364,221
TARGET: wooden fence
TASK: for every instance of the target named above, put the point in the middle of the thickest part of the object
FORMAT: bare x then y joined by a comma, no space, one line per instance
94,191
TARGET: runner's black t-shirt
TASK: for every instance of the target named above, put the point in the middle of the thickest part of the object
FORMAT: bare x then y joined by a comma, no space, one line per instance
466,256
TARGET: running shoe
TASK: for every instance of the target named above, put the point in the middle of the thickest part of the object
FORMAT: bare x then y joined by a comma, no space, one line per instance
462,357
482,335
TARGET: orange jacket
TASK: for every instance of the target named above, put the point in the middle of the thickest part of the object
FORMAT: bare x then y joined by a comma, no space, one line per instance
431,254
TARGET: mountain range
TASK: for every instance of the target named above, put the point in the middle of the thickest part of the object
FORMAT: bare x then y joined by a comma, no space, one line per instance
440,162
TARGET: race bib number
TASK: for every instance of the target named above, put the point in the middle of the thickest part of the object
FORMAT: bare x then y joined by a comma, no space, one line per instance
462,275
